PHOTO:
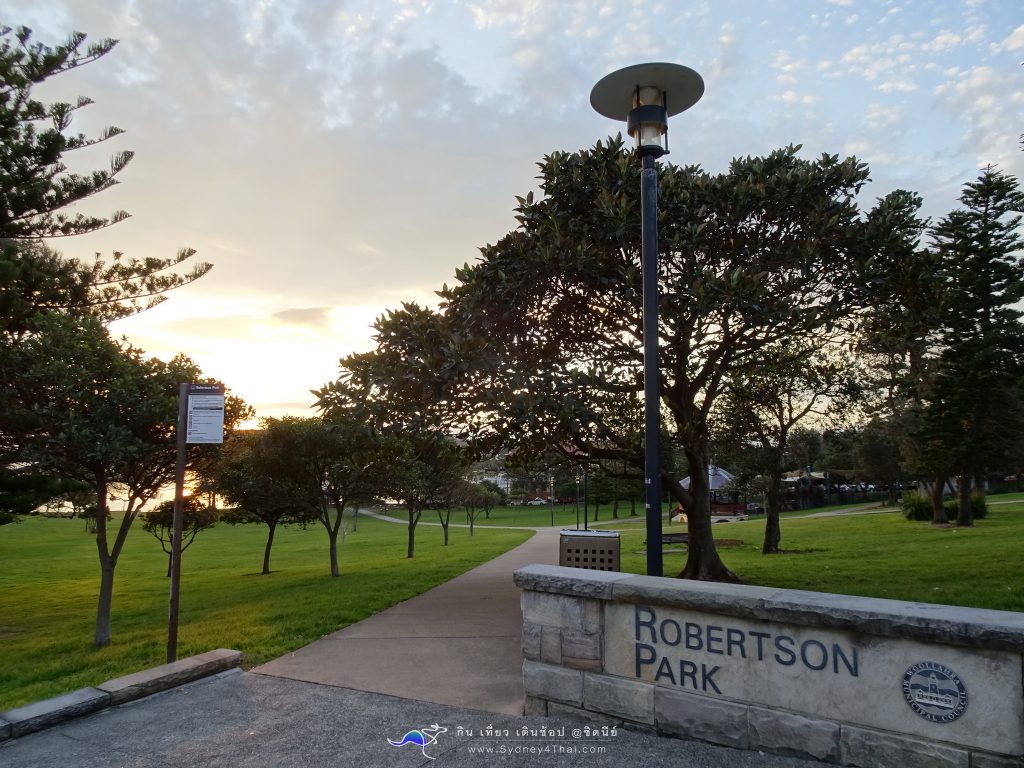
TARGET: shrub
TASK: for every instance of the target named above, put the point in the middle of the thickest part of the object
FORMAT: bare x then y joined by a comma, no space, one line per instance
916,507
978,507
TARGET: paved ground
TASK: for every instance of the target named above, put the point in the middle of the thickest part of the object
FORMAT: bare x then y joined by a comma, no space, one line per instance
866,509
247,720
449,657
457,644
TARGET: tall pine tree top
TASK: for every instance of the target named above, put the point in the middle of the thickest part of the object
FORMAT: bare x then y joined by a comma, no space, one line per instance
37,190
35,186
982,258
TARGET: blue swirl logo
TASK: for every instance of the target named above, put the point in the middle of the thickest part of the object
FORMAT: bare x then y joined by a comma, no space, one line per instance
421,737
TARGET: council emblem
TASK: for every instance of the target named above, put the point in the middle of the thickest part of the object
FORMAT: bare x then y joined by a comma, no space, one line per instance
934,691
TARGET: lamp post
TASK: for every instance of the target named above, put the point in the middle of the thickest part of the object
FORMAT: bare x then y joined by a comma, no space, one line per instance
586,493
645,95
551,497
577,502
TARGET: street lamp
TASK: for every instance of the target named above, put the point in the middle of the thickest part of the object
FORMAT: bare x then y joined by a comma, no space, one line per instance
551,497
586,492
577,502
645,95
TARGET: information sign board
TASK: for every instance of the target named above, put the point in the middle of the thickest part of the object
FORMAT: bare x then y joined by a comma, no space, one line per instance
205,413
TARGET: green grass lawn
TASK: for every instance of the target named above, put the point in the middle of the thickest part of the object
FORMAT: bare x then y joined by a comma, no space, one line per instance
877,555
49,576
49,581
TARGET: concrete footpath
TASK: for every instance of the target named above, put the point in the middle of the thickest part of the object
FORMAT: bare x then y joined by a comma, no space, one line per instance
457,644
449,658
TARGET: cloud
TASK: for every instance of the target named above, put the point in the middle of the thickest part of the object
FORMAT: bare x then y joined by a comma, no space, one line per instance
787,67
792,97
728,54
878,115
943,41
314,317
987,102
1014,41
872,152
897,85
332,159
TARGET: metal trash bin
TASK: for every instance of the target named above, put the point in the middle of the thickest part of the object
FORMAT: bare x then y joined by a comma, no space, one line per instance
595,550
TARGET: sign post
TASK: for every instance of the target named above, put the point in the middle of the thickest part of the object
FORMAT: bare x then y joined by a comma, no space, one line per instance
200,420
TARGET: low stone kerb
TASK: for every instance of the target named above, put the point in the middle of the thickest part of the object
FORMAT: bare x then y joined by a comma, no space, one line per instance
156,679
43,714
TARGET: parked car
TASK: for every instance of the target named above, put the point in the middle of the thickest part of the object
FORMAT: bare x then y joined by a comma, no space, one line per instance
730,518
537,503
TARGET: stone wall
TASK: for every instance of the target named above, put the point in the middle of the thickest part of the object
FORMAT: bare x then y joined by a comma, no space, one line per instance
847,680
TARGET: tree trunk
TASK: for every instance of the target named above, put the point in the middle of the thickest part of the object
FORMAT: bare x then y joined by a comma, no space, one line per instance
266,550
411,546
772,527
702,560
615,509
979,490
106,597
333,527
965,513
632,507
107,564
168,566
355,518
335,571
938,509
445,519
892,497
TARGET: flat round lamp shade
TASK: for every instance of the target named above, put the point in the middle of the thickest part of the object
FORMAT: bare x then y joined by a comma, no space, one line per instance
613,94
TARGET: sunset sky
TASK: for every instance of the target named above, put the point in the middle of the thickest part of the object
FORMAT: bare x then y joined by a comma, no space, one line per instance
332,159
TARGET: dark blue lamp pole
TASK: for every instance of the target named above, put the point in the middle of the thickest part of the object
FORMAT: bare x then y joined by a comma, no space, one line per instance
551,497
645,95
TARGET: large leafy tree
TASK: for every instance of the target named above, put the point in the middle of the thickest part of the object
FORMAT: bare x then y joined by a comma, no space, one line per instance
337,460
196,517
103,415
539,343
421,465
761,408
424,472
256,476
